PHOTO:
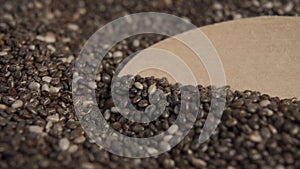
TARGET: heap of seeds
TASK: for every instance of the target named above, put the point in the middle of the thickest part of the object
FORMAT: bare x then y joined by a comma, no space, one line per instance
256,130
39,41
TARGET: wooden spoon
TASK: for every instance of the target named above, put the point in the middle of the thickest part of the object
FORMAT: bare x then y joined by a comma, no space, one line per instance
261,54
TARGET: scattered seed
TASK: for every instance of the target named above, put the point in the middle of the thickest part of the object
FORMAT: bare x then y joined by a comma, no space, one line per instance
34,86
54,89
73,27
53,118
198,162
3,107
47,79
49,38
173,129
64,144
264,103
255,137
73,148
138,85
3,53
117,54
136,43
152,89
17,104
45,87
36,129
79,140
143,103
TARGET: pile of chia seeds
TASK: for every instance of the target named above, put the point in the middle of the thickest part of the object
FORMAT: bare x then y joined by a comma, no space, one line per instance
39,42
